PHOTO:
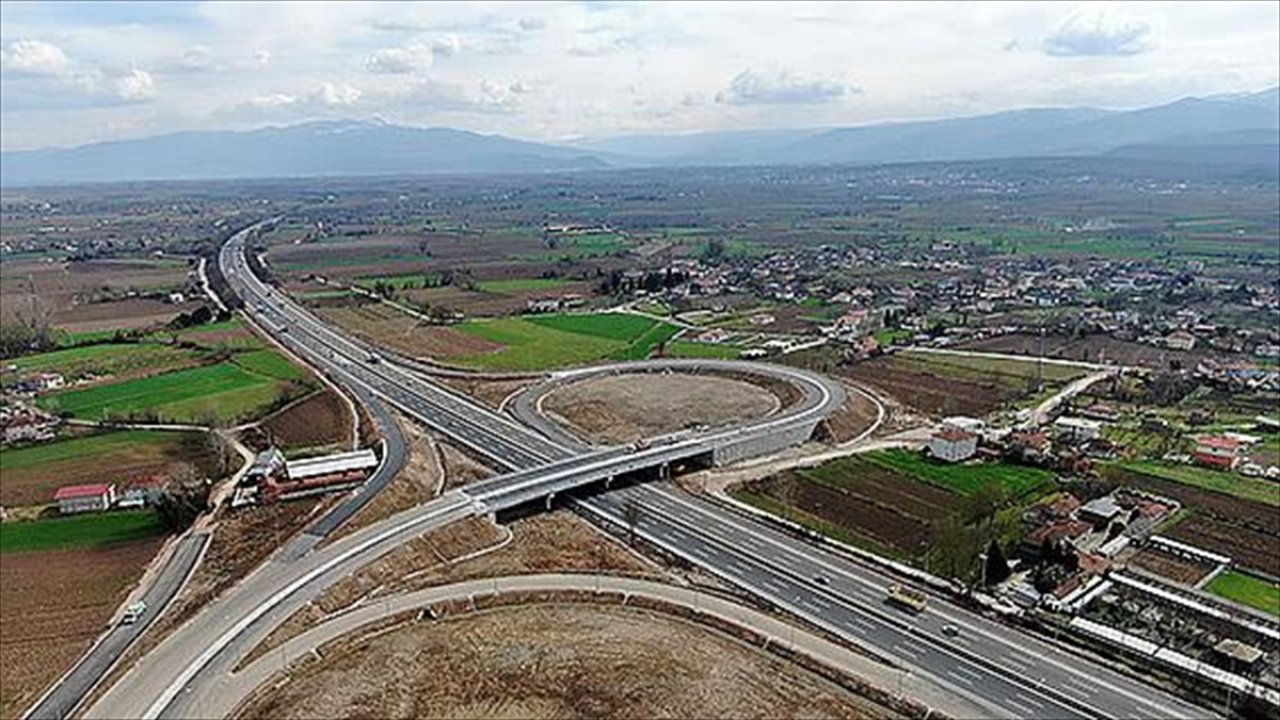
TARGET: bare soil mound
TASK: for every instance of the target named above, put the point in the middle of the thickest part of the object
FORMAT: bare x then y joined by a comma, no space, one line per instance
554,661
621,408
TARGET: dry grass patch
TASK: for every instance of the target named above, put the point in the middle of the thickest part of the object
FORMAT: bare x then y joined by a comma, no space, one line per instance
555,661
618,409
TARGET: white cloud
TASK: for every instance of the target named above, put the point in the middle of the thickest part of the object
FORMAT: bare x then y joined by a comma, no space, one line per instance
34,57
261,58
401,60
1098,32
136,86
487,96
782,87
447,46
272,101
336,94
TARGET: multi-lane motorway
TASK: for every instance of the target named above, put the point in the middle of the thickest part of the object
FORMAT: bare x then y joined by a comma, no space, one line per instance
996,667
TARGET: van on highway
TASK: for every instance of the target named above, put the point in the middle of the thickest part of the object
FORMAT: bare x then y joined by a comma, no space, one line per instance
133,612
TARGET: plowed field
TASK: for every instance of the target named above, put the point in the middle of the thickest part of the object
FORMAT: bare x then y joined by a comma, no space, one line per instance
52,605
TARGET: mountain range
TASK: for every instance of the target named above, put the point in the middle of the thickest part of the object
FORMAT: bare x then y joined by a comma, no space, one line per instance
1241,130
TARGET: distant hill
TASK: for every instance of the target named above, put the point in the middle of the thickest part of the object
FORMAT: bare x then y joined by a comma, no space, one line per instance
309,149
1018,133
1241,130
1251,152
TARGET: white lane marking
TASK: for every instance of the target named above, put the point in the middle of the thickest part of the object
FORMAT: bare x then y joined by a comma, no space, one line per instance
772,586
959,678
1026,711
1024,698
1075,692
967,672
901,650
1074,683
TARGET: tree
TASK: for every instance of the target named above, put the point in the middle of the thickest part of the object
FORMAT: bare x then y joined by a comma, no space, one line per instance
184,497
996,568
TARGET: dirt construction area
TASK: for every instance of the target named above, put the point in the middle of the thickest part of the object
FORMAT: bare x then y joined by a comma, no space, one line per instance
554,661
622,408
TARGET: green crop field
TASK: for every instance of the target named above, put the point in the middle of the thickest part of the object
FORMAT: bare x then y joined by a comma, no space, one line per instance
612,326
548,341
99,445
714,351
79,531
271,364
1248,590
105,359
1265,491
965,479
232,390
513,285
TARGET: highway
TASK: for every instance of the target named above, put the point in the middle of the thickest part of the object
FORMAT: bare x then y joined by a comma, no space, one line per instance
1009,669
1012,673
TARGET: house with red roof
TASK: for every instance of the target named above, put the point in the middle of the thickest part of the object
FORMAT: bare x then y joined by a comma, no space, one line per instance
1217,451
73,499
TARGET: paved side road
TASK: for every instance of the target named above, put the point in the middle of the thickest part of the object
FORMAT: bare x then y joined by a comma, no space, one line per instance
63,698
221,697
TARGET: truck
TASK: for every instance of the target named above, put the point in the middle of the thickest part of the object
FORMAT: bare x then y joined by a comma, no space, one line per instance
133,612
907,598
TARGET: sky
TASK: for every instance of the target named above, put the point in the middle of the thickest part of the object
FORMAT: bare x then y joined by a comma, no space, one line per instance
78,72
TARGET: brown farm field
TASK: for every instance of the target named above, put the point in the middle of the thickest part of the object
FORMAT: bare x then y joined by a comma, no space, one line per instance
927,392
321,419
1094,348
941,385
89,296
555,661
874,507
1177,569
52,605
403,333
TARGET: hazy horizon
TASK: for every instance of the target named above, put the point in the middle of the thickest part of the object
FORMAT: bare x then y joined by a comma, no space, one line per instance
77,73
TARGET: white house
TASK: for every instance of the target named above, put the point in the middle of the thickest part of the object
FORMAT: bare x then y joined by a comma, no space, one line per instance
951,444
1077,429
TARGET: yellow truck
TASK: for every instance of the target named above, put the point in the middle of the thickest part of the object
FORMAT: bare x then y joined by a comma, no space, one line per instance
908,598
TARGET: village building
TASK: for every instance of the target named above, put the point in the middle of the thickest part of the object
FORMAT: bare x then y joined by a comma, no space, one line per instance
1217,451
951,444
74,499
1077,429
